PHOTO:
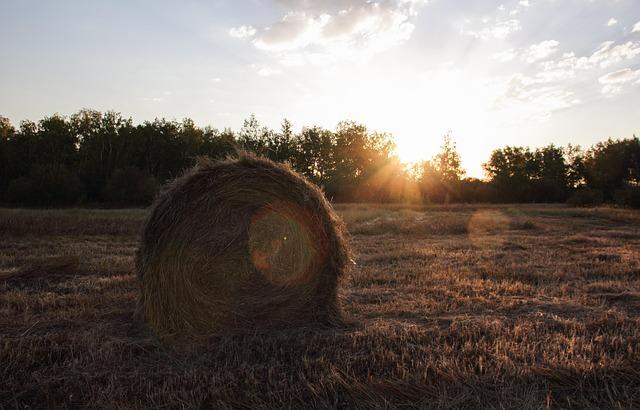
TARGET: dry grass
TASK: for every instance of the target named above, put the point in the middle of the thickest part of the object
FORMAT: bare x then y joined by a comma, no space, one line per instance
459,307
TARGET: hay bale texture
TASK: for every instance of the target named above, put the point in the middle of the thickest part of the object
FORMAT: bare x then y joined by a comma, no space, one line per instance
240,244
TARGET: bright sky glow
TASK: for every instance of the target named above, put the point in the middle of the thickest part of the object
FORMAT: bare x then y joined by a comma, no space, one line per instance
525,72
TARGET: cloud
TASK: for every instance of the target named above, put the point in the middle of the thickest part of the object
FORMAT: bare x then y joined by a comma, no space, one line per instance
541,51
242,32
613,82
608,53
558,74
548,89
337,29
625,75
266,71
535,96
499,30
636,28
154,99
612,22
500,26
532,54
159,98
505,56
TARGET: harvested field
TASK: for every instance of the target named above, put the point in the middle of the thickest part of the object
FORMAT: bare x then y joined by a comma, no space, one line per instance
448,307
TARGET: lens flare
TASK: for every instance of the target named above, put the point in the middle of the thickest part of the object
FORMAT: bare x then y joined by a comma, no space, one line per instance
285,243
488,227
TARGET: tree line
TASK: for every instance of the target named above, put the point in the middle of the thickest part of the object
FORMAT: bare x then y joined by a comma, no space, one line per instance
100,158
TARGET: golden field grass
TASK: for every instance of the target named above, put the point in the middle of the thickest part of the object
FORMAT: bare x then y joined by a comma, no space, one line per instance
449,307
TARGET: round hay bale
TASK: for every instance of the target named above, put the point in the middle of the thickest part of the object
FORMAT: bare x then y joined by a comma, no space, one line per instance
241,244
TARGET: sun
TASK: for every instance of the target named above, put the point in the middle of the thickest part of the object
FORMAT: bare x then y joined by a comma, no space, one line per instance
451,101
418,110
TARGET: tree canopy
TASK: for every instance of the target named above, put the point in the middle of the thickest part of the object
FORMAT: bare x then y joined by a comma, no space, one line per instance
94,157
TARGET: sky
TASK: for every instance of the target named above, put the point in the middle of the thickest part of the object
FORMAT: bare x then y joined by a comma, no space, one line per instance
492,73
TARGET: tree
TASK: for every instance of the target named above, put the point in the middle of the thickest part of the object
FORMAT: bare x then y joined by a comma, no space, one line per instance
281,147
510,171
96,157
130,186
314,157
440,177
218,144
105,144
56,142
612,165
254,137
576,173
7,133
431,184
447,161
550,182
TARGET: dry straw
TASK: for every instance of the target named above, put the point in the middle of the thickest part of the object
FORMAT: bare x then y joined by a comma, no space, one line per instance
236,245
43,268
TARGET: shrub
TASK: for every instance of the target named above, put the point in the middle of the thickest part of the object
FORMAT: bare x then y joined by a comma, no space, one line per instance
47,185
628,197
586,197
20,191
130,186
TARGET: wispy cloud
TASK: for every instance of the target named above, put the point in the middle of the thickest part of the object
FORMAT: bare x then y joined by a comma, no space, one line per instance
609,53
500,26
537,96
534,53
313,32
158,98
242,31
541,51
505,56
615,81
498,30
266,71
606,54
547,86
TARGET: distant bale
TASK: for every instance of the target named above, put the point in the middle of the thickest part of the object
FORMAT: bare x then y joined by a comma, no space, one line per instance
241,244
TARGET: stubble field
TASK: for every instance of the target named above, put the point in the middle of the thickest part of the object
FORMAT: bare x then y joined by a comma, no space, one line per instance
448,307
